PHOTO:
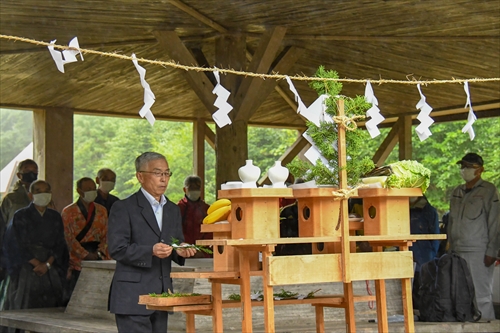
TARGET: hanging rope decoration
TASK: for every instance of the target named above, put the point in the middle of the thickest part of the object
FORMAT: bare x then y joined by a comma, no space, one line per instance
315,113
248,74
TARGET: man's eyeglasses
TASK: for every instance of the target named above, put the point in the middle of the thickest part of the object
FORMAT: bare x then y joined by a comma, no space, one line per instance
159,174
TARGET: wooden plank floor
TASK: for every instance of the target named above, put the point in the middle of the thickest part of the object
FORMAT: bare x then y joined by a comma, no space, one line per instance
54,320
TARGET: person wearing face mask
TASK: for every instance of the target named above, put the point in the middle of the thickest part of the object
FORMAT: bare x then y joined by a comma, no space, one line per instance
27,172
474,226
36,253
106,179
85,229
193,211
423,220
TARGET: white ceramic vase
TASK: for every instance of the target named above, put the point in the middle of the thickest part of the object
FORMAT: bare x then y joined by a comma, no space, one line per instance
249,174
278,175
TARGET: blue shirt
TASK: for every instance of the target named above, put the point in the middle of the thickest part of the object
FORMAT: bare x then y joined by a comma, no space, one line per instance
156,206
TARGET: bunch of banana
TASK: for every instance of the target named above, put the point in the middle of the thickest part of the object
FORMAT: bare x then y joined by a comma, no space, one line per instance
218,211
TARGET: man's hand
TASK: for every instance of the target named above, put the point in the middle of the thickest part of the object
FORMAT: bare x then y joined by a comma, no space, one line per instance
40,269
488,261
162,250
185,252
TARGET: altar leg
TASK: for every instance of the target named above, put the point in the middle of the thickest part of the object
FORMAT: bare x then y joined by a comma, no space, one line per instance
380,296
350,319
407,301
217,323
246,301
190,323
268,293
320,319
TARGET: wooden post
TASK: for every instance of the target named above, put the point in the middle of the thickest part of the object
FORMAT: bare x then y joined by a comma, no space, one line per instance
217,322
407,300
405,148
246,301
344,215
380,296
53,152
267,292
199,152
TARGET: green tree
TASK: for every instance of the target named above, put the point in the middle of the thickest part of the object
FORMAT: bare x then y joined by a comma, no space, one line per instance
266,145
443,149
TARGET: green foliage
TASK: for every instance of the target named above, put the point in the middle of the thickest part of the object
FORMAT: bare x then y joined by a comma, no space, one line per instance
325,138
409,174
176,244
115,143
266,145
16,128
443,149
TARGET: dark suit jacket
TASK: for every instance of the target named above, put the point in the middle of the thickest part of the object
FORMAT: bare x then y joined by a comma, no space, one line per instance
132,232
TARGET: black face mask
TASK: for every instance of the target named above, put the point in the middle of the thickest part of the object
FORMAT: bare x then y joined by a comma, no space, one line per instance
29,177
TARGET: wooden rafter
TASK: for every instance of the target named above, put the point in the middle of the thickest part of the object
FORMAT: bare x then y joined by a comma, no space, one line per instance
219,28
200,83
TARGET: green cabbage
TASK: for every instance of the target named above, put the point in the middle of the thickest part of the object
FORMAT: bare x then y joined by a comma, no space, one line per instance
407,174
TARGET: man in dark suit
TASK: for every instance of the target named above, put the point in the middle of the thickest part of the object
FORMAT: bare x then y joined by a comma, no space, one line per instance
140,229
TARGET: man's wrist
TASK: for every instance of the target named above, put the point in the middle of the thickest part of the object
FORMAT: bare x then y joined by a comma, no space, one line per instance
49,266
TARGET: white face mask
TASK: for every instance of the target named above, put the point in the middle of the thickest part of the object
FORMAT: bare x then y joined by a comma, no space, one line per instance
106,187
90,196
193,195
468,174
42,199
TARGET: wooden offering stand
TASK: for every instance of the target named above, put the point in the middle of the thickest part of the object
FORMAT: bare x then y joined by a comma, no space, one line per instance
254,229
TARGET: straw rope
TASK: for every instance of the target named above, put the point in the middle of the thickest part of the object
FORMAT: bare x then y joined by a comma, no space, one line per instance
274,76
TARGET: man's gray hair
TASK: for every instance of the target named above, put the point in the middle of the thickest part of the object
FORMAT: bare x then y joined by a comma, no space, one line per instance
38,182
145,158
103,170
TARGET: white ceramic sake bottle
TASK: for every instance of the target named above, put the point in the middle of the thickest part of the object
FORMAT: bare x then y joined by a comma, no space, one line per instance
278,175
249,174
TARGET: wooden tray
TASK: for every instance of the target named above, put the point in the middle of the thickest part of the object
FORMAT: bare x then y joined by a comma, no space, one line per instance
171,301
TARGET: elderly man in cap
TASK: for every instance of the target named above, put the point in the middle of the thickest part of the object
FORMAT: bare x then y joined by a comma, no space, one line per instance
473,228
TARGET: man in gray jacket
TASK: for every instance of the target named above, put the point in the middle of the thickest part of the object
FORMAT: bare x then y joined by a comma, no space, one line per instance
473,228
140,233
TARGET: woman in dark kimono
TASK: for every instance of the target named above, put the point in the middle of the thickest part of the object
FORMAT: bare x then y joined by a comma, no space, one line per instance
36,253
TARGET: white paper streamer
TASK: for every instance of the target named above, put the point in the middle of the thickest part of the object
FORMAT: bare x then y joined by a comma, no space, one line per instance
66,56
221,116
373,112
315,113
149,97
426,121
313,154
301,106
471,117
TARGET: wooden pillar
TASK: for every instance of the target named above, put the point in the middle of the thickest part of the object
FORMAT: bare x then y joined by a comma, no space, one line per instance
405,149
231,144
199,152
53,151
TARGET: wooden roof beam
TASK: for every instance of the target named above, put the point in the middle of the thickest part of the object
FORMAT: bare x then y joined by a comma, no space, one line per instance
387,145
247,98
493,106
219,28
200,83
